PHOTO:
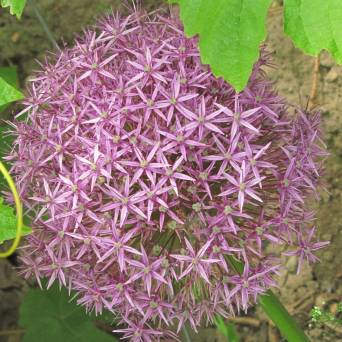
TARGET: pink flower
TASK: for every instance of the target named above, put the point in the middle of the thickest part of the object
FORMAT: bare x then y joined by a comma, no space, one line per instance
243,186
306,248
143,174
147,271
196,261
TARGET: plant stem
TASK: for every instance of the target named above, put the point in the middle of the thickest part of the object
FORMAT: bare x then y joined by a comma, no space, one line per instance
276,311
19,209
44,24
186,334
231,333
315,76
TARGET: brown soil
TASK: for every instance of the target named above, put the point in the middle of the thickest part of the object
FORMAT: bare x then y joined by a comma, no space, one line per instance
23,41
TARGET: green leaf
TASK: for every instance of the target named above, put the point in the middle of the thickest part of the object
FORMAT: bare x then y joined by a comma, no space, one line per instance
227,329
8,93
16,6
275,310
9,75
48,315
315,25
8,223
230,33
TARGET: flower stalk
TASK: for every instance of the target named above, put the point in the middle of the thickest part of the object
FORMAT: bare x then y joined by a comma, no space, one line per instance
19,210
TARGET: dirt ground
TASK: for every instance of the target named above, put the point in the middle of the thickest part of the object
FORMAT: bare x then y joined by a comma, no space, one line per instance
21,42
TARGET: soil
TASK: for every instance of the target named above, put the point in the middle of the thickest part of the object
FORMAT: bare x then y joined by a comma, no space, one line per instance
21,42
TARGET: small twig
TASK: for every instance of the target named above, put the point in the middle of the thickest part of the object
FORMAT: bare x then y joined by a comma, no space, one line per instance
296,306
313,93
12,332
272,334
334,327
245,321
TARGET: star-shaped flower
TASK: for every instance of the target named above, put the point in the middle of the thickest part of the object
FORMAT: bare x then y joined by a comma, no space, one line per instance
196,261
243,185
146,270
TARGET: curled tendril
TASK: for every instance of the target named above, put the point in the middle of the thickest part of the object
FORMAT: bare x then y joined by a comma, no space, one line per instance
19,210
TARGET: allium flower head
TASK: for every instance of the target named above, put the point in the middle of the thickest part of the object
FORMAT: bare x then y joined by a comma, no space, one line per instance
144,174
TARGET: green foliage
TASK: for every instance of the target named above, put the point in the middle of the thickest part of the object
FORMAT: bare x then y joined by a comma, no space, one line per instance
315,25
6,141
10,76
48,315
321,316
227,329
275,310
16,6
230,33
8,93
8,223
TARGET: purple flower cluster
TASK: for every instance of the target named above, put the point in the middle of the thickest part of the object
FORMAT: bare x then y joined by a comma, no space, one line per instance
145,175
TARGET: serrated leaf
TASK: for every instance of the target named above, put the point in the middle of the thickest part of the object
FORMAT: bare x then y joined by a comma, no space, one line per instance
230,33
8,223
8,93
315,25
48,315
9,75
16,6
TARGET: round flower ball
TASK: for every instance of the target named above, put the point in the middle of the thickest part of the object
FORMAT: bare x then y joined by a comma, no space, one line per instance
148,179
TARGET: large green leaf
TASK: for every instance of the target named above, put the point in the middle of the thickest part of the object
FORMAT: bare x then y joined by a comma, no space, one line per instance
315,25
8,223
48,315
230,33
8,93
9,75
16,6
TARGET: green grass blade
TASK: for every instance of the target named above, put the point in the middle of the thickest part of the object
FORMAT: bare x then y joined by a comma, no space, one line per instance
231,333
276,311
227,329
